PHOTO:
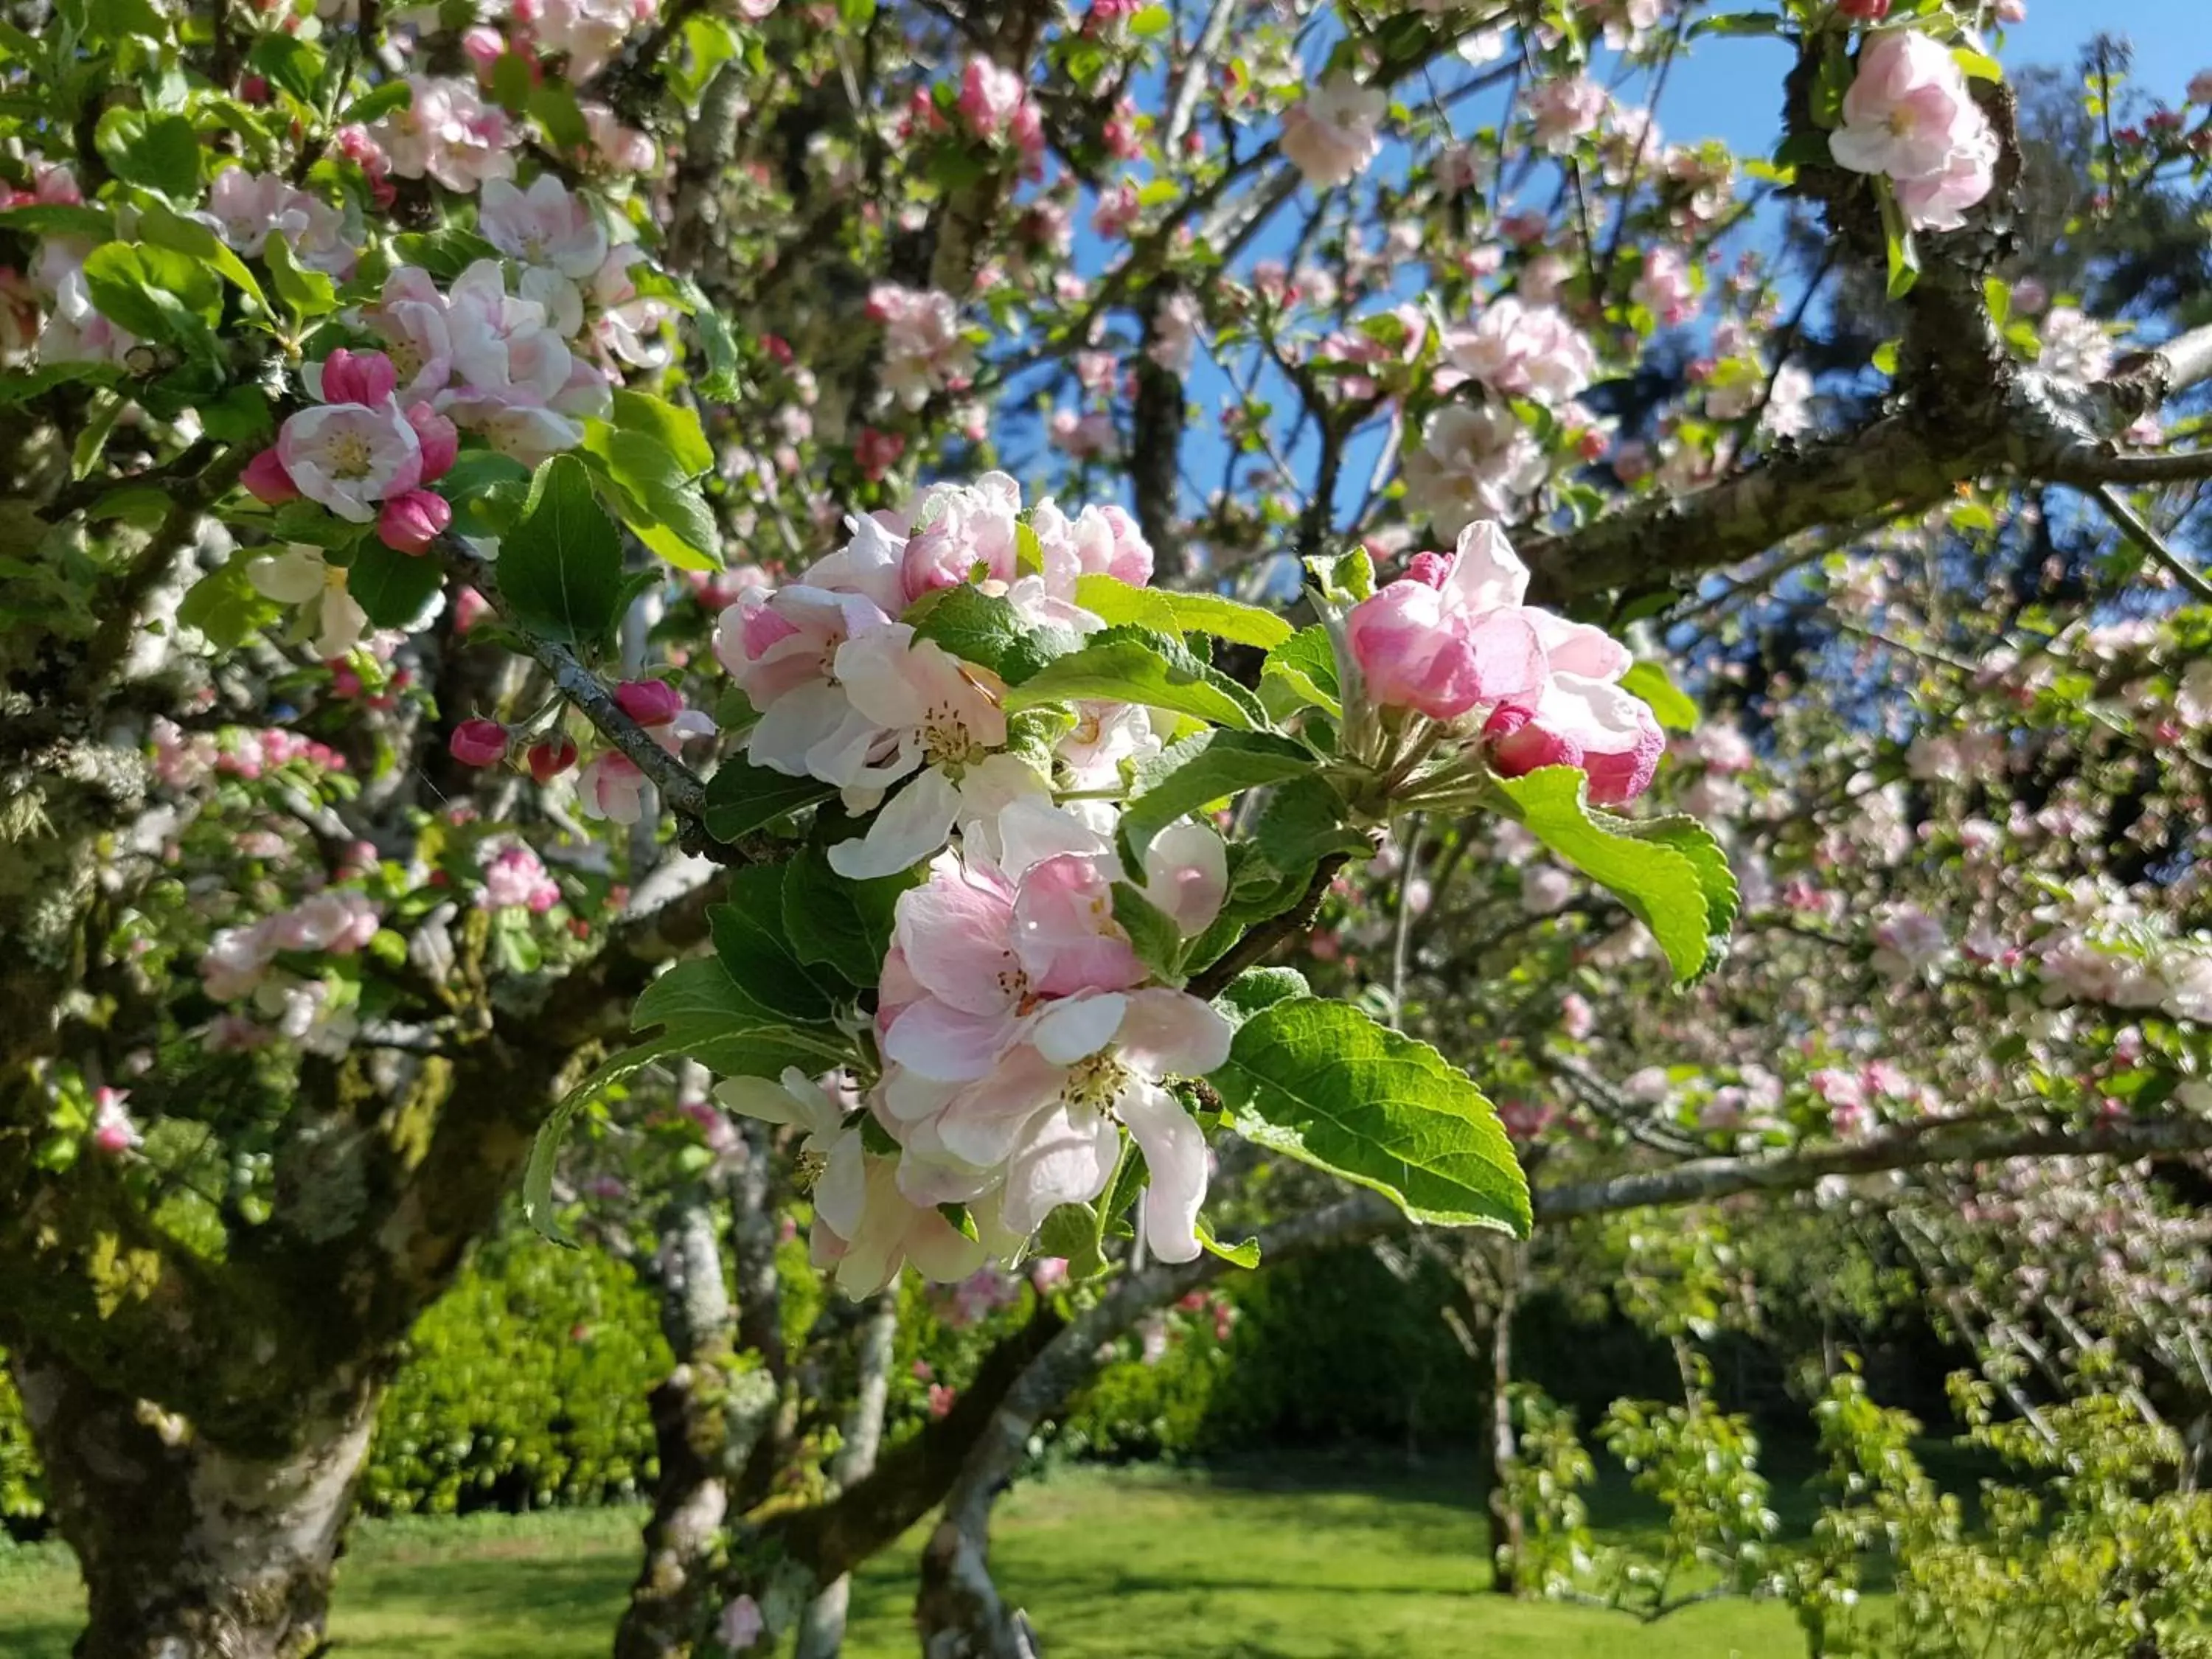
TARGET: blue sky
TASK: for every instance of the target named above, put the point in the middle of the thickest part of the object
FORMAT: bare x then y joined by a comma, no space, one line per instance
1728,87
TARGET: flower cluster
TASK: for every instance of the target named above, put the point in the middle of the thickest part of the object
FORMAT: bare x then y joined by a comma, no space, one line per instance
1453,641
1910,117
1020,1034
850,693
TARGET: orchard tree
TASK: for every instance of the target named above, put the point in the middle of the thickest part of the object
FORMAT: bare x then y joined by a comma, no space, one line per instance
502,504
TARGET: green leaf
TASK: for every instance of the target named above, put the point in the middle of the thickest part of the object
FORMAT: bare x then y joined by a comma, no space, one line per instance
553,106
720,382
159,226
741,798
306,293
560,566
1190,775
1071,1231
374,105
445,254
753,945
1345,579
1996,293
1151,20
1152,932
1257,989
1669,705
985,630
390,586
1301,671
1321,1082
675,429
1715,879
1245,1255
226,607
1977,65
488,491
1137,664
1904,253
695,1009
1659,884
289,62
155,291
59,219
161,152
1885,356
1303,823
1170,613
1737,22
839,923
703,1013
654,496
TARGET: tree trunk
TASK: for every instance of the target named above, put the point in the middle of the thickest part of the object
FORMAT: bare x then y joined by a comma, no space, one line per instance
189,1550
821,1630
668,1603
1505,1524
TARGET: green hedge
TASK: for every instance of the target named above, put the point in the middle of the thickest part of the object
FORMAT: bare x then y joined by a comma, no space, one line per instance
525,1386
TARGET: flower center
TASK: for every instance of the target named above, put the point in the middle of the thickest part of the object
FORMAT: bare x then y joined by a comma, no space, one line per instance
349,456
807,1169
946,742
1096,1083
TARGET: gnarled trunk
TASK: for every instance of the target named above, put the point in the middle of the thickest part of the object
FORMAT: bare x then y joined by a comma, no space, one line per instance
190,1549
822,1629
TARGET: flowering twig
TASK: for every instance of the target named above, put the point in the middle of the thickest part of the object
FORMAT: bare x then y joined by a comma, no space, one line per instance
2137,529
682,790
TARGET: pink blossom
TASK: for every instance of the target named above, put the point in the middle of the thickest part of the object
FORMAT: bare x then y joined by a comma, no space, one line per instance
649,702
113,1134
611,786
924,348
1333,132
1910,115
478,743
1664,287
1473,463
1521,349
412,520
1452,634
409,316
741,1625
990,96
447,133
338,922
548,759
1567,109
547,225
1577,1019
348,456
515,877
266,480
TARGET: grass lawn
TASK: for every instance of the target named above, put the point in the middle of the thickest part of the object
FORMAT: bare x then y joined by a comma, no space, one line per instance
1260,1561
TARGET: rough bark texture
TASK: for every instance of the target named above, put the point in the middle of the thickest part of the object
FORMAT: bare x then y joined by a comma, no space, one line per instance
822,1629
1506,1530
669,1603
188,1551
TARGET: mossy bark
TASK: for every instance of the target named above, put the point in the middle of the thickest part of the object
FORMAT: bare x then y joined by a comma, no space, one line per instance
189,1550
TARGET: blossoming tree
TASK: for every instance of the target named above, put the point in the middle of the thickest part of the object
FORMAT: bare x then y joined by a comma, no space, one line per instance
503,504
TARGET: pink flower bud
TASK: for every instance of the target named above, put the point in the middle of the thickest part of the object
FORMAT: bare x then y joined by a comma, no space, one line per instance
1519,746
410,522
1431,568
470,608
1865,11
482,47
649,702
441,440
549,758
266,480
357,376
478,743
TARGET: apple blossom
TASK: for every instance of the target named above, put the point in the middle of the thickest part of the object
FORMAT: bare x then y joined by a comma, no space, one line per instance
410,521
302,576
1910,115
478,743
1333,132
1473,463
611,786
